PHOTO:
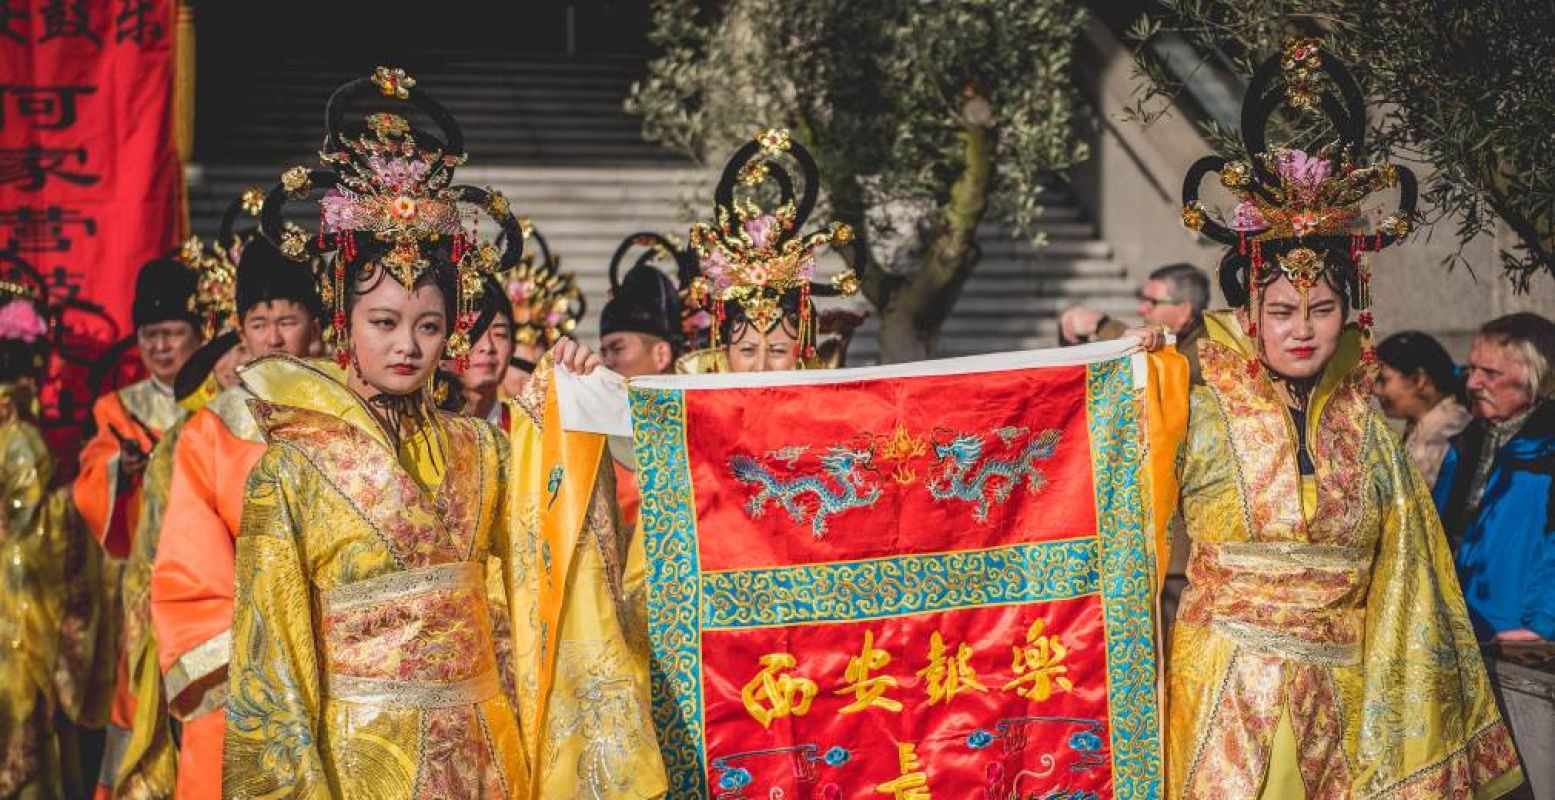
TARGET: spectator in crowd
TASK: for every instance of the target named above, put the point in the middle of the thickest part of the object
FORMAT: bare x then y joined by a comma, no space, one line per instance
1173,297
1496,490
1419,383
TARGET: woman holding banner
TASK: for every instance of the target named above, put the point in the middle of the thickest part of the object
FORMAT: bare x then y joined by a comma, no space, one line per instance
363,661
758,272
1322,648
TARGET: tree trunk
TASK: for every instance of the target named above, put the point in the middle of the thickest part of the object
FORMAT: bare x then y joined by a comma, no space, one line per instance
900,337
913,309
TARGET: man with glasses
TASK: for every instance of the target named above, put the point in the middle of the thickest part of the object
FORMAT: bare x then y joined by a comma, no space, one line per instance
1173,297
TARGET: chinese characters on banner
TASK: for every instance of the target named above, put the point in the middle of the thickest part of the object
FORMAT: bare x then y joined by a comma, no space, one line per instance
925,581
90,185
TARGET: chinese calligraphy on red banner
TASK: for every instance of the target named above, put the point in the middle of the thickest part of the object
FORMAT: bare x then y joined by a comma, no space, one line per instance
90,185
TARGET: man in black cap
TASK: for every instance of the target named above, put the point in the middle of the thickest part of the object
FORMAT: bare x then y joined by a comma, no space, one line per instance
129,423
130,420
192,583
639,329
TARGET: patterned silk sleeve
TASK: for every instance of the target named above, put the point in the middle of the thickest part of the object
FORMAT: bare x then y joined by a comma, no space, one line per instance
29,606
273,710
1423,668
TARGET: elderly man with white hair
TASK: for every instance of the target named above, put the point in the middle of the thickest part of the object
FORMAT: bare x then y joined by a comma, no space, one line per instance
1496,490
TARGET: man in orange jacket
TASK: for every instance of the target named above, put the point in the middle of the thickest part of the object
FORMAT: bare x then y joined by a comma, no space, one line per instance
129,422
192,581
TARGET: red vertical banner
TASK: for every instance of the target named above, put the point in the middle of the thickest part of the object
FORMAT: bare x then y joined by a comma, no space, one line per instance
90,183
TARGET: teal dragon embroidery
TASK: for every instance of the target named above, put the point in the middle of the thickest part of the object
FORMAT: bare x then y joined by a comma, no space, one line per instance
840,463
958,481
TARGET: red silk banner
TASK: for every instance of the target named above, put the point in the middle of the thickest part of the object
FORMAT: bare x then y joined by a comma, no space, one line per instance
90,184
930,581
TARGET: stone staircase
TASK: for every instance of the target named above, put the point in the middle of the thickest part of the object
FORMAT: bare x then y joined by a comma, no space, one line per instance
551,135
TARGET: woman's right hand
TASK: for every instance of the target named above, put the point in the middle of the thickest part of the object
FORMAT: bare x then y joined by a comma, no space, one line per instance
1151,337
575,356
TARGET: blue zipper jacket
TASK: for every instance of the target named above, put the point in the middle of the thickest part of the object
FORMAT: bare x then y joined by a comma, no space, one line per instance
1506,550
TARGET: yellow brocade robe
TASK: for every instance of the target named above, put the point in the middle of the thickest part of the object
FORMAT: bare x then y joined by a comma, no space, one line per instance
1321,646
36,531
582,692
147,767
362,659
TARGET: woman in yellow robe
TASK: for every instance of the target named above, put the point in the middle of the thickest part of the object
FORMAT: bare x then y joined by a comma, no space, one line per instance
363,661
38,533
1322,648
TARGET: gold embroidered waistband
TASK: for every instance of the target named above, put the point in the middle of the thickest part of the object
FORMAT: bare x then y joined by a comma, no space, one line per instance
414,694
1286,555
460,575
1281,645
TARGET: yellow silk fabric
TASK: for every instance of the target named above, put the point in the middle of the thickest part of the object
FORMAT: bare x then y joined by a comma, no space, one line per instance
331,509
36,527
583,697
148,767
1337,621
1166,420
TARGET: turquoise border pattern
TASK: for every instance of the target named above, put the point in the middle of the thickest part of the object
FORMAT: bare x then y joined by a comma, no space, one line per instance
899,585
1117,458
664,480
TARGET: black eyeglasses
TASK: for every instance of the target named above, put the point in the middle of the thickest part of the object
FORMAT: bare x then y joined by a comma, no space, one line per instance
1157,301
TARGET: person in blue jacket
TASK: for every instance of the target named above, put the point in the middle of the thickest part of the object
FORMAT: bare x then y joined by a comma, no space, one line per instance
1496,490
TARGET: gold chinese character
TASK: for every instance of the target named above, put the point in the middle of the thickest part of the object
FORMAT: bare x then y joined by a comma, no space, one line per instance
774,694
913,784
869,691
948,675
1039,664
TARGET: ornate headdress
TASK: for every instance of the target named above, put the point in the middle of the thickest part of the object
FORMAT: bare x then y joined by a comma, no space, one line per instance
214,302
215,264
1300,215
25,327
547,302
646,300
752,258
389,199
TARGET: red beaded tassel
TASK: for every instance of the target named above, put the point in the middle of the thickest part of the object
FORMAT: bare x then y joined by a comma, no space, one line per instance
1364,320
806,339
1255,274
338,323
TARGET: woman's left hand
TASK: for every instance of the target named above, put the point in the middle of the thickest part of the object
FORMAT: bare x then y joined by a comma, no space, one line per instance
575,356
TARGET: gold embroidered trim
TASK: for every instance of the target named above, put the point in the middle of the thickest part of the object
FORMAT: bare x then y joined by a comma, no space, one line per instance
458,575
1289,555
200,662
214,698
231,407
1290,648
414,694
151,404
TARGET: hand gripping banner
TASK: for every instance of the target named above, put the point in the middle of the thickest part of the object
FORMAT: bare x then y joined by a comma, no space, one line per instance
932,580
